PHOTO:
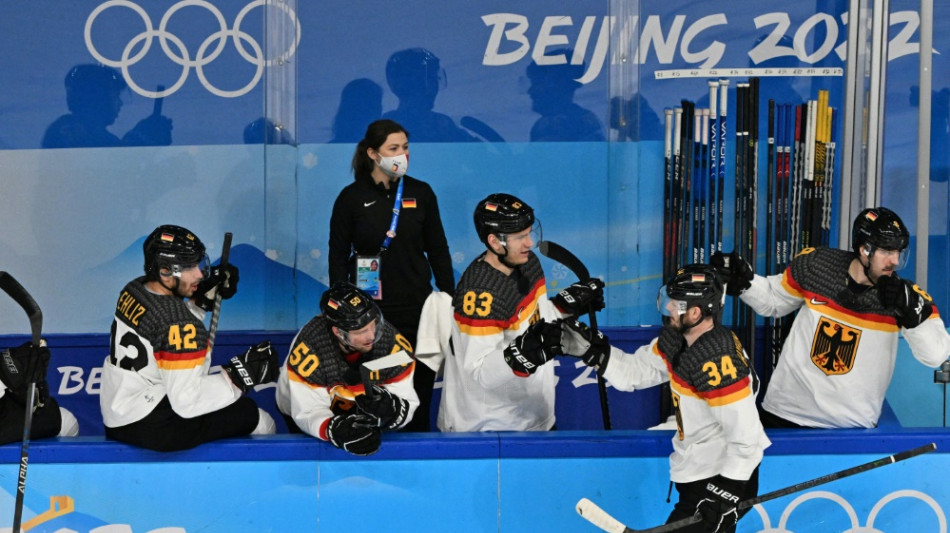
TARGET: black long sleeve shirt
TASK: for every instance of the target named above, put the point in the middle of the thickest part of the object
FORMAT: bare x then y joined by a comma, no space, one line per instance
361,216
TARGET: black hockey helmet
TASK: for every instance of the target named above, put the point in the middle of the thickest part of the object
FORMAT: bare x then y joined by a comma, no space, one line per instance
881,228
348,307
695,285
172,247
502,214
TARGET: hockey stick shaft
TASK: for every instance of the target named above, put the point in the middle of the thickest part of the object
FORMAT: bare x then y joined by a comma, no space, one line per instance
597,516
16,291
562,255
213,327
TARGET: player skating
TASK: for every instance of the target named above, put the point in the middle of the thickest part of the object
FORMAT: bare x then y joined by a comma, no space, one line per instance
719,441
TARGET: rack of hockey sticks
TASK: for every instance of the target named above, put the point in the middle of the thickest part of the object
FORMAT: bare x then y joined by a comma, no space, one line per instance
798,180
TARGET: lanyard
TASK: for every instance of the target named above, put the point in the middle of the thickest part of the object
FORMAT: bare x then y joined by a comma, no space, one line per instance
392,225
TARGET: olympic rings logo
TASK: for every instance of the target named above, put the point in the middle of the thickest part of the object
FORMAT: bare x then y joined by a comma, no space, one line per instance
175,49
849,511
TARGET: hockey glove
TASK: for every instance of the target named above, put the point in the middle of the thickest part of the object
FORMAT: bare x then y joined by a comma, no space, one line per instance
592,346
23,365
911,304
734,271
536,346
354,433
580,297
388,410
670,342
257,365
719,507
223,280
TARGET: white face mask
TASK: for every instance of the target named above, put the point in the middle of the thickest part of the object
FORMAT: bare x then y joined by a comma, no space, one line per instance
394,167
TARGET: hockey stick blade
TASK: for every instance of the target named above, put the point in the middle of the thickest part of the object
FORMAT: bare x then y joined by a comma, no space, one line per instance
597,516
560,254
16,291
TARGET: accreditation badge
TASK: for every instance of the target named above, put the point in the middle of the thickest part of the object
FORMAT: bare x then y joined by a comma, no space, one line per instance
367,275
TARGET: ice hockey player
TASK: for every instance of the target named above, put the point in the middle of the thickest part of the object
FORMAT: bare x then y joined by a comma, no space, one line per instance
157,391
838,358
719,441
505,328
322,390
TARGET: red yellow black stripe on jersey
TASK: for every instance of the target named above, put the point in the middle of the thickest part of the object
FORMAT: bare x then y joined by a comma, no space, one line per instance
356,390
527,307
826,306
716,397
179,360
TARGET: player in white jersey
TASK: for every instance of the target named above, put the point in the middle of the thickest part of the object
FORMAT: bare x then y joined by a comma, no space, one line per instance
326,388
19,367
157,391
838,359
496,378
719,441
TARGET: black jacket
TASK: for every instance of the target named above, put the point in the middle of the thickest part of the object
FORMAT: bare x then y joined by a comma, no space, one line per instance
362,214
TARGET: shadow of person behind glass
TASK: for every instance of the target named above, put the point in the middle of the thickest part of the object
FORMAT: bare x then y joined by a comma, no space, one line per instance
94,99
415,76
265,131
361,103
634,119
551,89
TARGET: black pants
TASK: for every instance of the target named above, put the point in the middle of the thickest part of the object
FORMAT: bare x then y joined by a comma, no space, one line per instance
46,420
774,421
164,430
692,493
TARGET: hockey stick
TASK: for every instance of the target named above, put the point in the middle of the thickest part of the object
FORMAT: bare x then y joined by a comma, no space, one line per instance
213,328
562,255
16,291
597,516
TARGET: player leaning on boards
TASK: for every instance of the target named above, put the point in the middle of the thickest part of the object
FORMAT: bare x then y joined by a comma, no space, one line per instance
719,441
838,358
320,389
504,330
156,390
19,367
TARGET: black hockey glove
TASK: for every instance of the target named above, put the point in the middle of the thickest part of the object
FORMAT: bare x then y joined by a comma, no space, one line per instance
223,280
671,342
719,508
354,433
257,365
592,346
734,271
536,346
23,365
388,410
910,303
580,297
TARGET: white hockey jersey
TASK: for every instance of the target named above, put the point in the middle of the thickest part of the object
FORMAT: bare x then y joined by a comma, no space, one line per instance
838,359
159,347
718,427
318,381
480,392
